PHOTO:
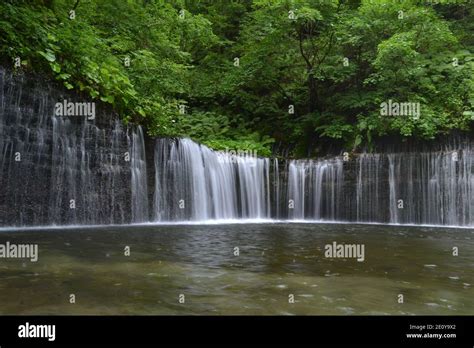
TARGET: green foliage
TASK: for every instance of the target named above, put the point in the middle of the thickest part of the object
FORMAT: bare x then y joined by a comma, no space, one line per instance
308,72
226,135
251,142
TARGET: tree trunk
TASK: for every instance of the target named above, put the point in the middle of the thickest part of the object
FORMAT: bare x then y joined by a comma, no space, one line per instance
312,92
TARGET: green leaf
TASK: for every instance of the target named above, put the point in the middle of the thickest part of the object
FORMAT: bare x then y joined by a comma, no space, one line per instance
49,55
56,67
108,99
64,76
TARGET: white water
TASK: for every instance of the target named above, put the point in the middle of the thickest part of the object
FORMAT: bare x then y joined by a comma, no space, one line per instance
75,172
139,183
424,188
196,183
66,170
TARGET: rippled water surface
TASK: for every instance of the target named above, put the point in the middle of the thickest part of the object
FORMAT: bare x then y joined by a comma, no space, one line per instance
275,260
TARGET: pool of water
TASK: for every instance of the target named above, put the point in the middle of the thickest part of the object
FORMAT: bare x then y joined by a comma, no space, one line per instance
275,263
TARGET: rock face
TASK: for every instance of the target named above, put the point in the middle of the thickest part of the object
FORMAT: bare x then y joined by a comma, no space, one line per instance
68,170
63,170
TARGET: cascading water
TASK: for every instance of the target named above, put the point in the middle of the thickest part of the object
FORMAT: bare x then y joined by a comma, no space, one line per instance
65,170
86,172
69,170
196,183
432,188
314,189
139,178
369,187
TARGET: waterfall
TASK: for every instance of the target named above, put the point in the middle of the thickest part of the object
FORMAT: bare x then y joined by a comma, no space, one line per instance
89,178
412,187
196,183
139,184
24,163
86,171
296,189
392,187
57,170
66,170
369,187
276,189
314,189
433,188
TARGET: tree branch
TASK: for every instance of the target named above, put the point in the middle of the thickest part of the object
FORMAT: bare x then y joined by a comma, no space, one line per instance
328,45
308,63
